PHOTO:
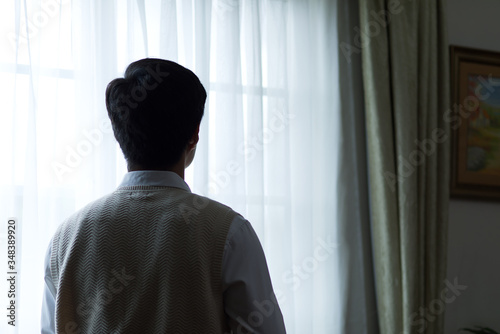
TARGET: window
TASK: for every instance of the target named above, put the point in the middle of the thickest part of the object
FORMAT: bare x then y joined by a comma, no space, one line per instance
267,127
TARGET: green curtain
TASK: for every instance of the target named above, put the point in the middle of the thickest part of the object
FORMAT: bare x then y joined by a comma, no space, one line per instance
406,83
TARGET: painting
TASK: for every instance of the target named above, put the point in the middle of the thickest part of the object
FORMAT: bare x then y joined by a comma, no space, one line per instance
475,123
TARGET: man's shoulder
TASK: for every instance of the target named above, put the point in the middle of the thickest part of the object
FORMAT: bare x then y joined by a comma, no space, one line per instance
191,205
203,201
198,204
85,210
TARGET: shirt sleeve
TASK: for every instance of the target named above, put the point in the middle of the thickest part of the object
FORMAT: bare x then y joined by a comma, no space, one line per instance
49,298
249,299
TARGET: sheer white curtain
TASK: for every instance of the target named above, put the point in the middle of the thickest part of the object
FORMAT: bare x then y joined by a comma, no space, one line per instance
270,140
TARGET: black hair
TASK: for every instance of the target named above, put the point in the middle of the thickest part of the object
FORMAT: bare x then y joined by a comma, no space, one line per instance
155,110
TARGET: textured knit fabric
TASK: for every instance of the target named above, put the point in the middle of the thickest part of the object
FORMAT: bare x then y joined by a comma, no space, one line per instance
142,260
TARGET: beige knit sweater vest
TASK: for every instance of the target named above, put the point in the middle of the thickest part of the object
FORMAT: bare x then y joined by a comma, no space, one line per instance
142,260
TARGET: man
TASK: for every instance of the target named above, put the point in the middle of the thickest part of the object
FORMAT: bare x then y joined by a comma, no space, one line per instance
152,257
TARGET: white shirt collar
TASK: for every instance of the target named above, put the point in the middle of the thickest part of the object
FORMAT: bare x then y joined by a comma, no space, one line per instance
154,178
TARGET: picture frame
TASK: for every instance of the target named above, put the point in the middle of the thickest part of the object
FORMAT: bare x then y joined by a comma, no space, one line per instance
475,123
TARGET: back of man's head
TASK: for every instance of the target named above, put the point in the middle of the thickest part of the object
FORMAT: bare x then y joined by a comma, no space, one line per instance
155,110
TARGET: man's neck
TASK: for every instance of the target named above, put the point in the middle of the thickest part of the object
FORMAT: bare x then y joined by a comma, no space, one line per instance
178,168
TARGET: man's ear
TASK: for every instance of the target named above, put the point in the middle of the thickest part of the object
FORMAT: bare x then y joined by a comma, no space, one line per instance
195,138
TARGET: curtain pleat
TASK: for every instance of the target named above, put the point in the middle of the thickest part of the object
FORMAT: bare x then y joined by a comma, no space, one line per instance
405,73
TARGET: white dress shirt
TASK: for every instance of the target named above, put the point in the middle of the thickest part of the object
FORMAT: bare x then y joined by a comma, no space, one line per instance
249,300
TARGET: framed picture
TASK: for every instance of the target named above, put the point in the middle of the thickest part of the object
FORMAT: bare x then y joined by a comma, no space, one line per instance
475,123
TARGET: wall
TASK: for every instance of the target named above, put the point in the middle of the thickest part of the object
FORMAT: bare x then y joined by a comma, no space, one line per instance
474,226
